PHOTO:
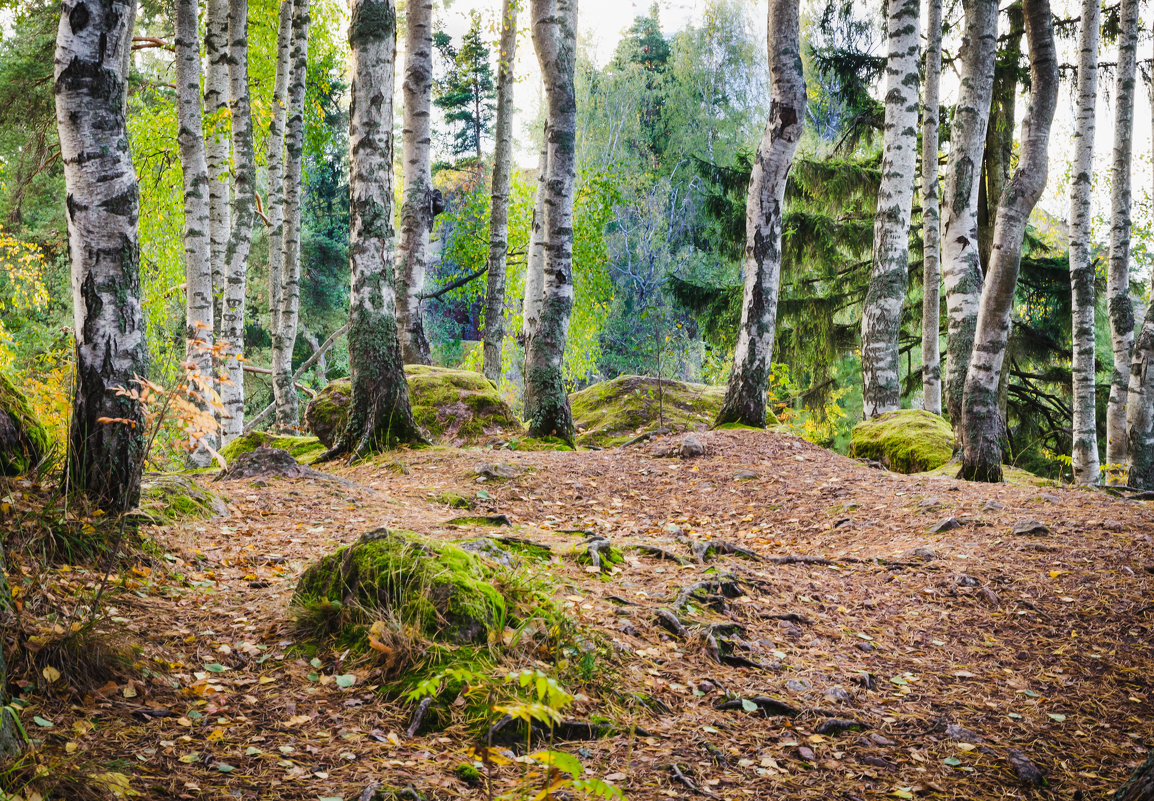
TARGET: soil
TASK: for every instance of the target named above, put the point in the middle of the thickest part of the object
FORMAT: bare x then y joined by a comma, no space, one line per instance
932,663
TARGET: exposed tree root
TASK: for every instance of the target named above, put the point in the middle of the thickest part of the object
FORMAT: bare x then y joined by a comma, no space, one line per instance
689,783
660,553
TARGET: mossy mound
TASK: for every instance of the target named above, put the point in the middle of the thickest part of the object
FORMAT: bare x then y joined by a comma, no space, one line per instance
1014,476
167,498
304,449
24,442
905,441
326,414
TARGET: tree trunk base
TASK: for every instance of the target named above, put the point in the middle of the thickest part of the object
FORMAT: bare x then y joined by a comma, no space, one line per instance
1140,785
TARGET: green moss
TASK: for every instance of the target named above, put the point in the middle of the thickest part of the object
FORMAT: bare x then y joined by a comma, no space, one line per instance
326,414
453,499
24,442
538,444
906,441
1010,475
167,498
304,449
771,420
468,774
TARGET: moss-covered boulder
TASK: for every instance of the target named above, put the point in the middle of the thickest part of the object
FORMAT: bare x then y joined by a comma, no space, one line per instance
304,449
905,441
326,414
24,442
167,498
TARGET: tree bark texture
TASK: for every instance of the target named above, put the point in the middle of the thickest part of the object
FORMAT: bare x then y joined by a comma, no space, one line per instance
417,193
11,743
546,401
216,107
982,425
889,274
961,264
494,334
276,132
93,50
1085,430
535,258
931,215
1118,301
1140,785
745,395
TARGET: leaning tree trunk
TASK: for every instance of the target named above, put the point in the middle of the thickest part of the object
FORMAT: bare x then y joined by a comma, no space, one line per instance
379,412
535,258
417,203
243,216
745,395
931,216
276,130
216,103
494,335
982,425
197,244
889,275
107,439
285,334
1118,278
1085,431
961,265
546,402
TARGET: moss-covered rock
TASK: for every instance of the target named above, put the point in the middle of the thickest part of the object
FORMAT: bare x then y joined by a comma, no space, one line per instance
24,442
905,441
304,449
326,414
167,498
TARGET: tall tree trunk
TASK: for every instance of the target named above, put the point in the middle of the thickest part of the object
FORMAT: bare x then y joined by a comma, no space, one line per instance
982,425
276,132
1085,433
417,203
1140,407
931,215
379,411
285,334
93,53
243,216
494,335
961,264
535,258
889,276
197,244
1118,278
216,105
546,402
745,395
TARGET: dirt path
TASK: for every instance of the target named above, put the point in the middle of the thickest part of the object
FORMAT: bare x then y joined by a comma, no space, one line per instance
950,648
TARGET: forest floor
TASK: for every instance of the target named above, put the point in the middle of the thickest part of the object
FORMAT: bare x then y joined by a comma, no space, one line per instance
951,649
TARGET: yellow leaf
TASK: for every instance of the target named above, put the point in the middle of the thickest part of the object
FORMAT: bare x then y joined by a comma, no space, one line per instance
50,673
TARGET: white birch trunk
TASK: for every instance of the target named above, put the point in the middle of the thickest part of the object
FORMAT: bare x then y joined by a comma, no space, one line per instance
745,396
546,402
889,275
535,258
1085,430
285,334
983,429
931,215
216,107
1118,277
276,131
1140,418
417,204
93,52
961,264
494,334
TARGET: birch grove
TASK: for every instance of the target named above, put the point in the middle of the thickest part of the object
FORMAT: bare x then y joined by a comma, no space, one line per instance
276,179
216,109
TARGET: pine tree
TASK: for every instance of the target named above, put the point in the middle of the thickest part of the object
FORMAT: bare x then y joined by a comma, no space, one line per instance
467,94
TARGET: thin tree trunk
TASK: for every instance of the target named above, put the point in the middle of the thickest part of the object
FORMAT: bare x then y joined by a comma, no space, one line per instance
322,365
1085,431
889,275
417,204
93,52
494,334
1118,278
982,425
379,411
1140,407
197,245
11,743
276,131
243,216
931,216
961,265
745,396
285,334
546,402
535,258
216,106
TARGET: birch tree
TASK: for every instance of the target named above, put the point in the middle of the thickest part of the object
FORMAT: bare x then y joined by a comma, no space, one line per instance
102,203
1082,273
197,243
555,40
961,264
216,106
931,215
379,411
285,334
494,334
417,203
745,395
535,258
889,275
1140,422
982,428
276,134
1121,308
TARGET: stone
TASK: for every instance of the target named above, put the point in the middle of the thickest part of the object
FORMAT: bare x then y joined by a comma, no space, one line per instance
966,581
993,506
948,524
271,463
691,447
962,734
924,553
836,695
798,685
744,475
1028,773
498,471
1029,528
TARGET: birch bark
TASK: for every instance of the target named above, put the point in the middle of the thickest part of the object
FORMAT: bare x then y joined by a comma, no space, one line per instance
931,215
535,258
1140,421
889,275
982,428
745,396
276,129
216,107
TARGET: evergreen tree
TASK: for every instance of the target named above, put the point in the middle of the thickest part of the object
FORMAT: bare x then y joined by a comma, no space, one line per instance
467,94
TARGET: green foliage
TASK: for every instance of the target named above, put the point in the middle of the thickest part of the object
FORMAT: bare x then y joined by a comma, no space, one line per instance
467,94
906,441
24,442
